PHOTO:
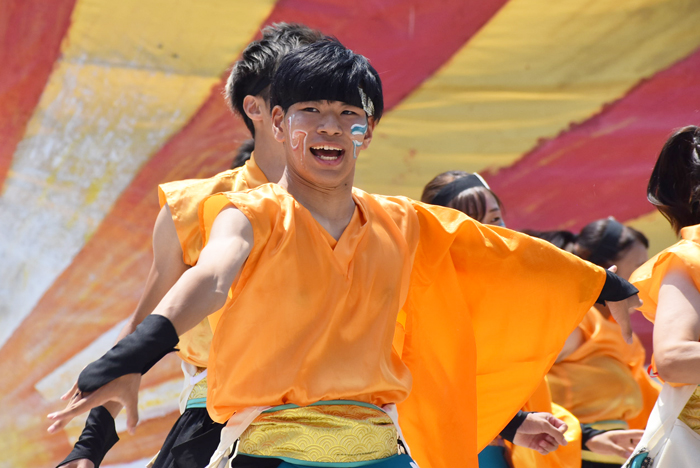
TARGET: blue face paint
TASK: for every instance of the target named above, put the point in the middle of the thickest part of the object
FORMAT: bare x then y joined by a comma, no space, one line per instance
358,130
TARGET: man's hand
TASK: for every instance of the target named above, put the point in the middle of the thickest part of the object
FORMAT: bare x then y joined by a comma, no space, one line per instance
124,390
620,443
82,463
621,310
542,432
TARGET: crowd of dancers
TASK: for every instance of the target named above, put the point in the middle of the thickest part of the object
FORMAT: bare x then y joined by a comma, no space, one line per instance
322,326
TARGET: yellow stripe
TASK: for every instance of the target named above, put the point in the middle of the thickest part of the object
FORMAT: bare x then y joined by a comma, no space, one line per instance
133,73
533,69
657,229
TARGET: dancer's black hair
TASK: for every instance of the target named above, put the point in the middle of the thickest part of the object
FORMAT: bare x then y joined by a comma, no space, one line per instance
327,71
253,73
245,151
674,186
602,242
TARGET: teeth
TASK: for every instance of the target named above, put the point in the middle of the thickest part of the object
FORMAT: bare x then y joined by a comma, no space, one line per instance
328,158
327,148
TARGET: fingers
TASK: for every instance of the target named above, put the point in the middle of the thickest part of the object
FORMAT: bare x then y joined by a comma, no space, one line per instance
71,393
613,269
555,429
546,445
61,418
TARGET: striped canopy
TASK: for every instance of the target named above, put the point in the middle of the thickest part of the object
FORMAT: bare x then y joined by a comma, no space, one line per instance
562,106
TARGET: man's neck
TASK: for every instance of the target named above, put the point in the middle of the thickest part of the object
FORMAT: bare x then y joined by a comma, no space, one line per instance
332,208
269,156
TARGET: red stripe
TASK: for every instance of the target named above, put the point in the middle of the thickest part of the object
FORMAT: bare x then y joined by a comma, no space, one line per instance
601,167
105,280
30,38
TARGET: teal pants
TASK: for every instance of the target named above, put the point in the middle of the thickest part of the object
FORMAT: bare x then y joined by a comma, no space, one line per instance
493,457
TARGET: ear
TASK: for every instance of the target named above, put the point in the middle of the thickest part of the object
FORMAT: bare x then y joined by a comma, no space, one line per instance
371,123
278,130
253,107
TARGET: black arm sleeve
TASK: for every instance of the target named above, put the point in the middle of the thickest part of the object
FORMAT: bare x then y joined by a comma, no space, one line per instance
508,433
134,354
615,289
587,433
99,435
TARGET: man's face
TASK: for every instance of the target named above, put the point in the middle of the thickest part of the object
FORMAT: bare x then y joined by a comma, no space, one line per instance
322,139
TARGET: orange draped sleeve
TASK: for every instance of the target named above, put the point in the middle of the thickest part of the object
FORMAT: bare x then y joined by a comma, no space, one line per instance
566,455
605,378
183,198
487,312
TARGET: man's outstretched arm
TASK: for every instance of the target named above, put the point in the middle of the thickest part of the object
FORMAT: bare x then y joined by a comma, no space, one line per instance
200,291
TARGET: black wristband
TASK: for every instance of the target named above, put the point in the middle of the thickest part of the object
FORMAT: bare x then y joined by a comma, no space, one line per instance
615,289
98,436
587,433
134,354
508,433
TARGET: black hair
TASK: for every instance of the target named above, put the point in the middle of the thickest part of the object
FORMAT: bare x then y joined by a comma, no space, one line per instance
326,71
252,74
565,240
245,151
471,201
594,243
674,186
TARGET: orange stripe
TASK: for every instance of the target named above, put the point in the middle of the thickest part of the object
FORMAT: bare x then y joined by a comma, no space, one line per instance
30,38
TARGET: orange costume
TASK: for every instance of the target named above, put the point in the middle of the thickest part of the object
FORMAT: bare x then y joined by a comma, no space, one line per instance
183,198
320,316
684,255
604,379
604,382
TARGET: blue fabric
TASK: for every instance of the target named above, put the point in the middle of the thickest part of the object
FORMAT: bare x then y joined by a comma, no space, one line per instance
397,461
493,457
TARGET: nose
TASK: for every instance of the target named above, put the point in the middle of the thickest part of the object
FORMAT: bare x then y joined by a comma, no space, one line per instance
330,125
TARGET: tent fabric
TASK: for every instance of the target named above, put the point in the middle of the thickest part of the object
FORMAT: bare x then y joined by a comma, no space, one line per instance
563,107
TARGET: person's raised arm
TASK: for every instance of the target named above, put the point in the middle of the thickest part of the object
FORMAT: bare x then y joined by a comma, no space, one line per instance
167,267
199,292
677,329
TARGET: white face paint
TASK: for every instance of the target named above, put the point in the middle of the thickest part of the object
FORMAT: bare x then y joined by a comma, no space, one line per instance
297,137
357,135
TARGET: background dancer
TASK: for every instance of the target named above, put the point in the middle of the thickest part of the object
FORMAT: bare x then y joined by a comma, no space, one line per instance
598,377
177,244
471,194
670,281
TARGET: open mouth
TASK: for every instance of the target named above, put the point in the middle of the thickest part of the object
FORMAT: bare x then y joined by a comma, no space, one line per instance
327,152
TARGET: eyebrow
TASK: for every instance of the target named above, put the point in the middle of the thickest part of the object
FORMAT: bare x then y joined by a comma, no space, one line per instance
494,209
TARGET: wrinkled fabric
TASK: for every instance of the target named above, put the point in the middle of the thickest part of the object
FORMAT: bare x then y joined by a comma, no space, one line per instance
605,378
183,198
320,317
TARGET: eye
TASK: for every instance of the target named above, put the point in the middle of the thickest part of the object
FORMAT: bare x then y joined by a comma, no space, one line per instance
349,112
309,109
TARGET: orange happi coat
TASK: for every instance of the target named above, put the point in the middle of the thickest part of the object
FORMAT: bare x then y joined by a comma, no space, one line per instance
311,319
183,198
605,378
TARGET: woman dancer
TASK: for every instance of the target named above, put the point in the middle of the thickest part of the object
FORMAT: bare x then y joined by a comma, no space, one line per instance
670,281
470,194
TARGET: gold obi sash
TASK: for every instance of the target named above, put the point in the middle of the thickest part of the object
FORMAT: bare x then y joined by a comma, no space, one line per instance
328,432
198,394
691,412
